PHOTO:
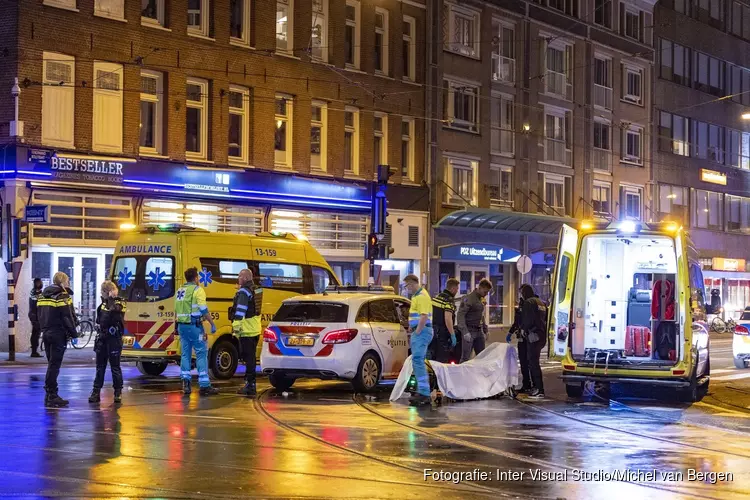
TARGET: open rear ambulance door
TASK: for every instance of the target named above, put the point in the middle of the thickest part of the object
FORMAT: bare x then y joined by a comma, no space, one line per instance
558,319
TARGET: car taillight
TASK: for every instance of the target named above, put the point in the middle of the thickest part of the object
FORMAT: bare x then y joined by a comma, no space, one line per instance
741,330
340,336
269,336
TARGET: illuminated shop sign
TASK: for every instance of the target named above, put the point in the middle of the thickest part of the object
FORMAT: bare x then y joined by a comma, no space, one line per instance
478,252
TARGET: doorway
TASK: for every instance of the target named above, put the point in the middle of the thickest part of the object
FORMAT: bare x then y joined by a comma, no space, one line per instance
469,277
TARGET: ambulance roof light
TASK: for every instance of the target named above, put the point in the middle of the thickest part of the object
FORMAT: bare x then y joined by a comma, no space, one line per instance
627,226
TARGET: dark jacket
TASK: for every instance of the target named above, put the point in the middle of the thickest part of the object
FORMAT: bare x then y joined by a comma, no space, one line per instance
33,298
471,315
515,328
441,303
55,312
534,319
110,316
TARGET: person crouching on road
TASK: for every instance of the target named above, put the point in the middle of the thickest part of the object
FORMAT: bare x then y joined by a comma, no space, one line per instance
444,317
110,326
420,325
54,309
534,327
245,316
36,330
191,310
471,320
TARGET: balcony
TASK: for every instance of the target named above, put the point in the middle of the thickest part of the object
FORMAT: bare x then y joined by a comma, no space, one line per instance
602,96
503,141
602,160
555,151
558,84
503,69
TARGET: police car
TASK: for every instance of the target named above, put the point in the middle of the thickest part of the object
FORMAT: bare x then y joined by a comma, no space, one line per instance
346,333
741,340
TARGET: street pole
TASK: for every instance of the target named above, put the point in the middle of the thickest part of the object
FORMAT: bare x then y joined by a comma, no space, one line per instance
11,288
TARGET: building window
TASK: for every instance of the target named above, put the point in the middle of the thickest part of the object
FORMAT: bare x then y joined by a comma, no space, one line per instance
407,149
283,134
351,35
502,137
630,202
63,4
462,105
239,21
739,85
196,120
58,99
108,102
739,149
556,194
674,134
284,25
632,85
409,48
673,203
557,139
217,218
198,17
152,109
602,153
603,83
460,179
707,210
382,47
319,36
461,30
741,20
239,124
708,141
601,199
504,54
380,141
558,70
675,62
603,13
114,9
708,74
631,24
351,140
632,145
153,12
569,7
318,136
501,186
738,214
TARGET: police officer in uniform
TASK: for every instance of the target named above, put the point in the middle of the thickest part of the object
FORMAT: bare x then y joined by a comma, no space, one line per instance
523,356
443,317
471,320
190,311
56,319
110,326
245,314
420,326
534,328
36,330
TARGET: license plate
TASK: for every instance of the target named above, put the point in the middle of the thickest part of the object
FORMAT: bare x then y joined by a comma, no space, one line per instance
128,341
301,341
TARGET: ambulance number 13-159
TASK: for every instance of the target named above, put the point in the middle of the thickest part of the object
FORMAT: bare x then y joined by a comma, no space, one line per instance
265,252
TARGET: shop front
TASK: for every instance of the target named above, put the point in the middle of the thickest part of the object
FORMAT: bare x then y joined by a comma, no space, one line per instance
474,244
89,198
728,279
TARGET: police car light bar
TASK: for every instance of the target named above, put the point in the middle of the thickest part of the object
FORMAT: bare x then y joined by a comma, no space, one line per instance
359,288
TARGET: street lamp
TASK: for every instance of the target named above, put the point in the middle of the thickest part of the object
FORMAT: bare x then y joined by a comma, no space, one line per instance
746,116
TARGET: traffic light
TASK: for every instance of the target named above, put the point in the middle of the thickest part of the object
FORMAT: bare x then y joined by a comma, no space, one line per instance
377,249
385,172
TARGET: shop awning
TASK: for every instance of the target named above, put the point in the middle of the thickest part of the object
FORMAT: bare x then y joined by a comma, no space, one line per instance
502,221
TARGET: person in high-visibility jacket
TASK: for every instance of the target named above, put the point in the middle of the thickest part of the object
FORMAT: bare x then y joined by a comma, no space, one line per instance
245,316
420,326
191,310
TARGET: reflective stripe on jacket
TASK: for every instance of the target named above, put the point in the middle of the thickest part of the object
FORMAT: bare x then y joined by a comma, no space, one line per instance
246,311
190,303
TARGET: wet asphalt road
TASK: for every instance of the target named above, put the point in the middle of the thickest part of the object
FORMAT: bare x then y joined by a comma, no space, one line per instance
321,441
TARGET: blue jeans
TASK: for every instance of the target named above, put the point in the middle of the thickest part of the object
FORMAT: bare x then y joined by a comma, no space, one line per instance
419,344
191,337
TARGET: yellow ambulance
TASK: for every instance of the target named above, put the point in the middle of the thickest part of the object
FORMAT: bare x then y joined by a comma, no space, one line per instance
149,265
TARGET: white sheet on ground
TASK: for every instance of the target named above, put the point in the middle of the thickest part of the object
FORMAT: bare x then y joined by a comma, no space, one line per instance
491,372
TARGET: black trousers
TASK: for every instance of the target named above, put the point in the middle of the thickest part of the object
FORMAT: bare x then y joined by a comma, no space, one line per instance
523,358
249,345
441,346
36,332
475,343
534,350
55,344
108,349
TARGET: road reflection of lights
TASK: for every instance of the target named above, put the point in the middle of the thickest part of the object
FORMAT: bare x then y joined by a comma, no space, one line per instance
176,446
412,443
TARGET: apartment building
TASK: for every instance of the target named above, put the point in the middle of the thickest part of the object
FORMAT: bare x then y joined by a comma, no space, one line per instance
701,171
541,116
231,115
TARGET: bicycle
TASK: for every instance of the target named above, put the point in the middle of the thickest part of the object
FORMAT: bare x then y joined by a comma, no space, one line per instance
718,325
85,331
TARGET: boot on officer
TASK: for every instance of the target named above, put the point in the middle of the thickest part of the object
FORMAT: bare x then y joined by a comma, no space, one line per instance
245,314
191,310
110,326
